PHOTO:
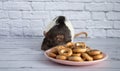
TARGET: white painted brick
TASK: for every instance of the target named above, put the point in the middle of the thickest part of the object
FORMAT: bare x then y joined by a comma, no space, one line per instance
4,31
4,23
56,6
99,32
31,0
53,14
16,31
64,6
27,32
75,6
3,14
14,14
0,5
25,23
19,23
36,28
113,15
99,1
59,0
35,14
117,7
47,21
77,15
38,0
16,6
99,18
98,15
99,6
38,5
36,24
79,24
113,1
80,0
113,33
117,24
17,0
37,31
100,24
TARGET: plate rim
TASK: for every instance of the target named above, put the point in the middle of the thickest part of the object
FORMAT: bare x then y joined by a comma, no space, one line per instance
65,62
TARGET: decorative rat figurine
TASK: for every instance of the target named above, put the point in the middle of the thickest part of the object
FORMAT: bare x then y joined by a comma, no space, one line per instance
60,31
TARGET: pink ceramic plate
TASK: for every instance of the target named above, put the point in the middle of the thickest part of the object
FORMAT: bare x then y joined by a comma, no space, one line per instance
74,63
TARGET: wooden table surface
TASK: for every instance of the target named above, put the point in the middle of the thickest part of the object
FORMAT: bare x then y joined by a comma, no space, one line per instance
24,54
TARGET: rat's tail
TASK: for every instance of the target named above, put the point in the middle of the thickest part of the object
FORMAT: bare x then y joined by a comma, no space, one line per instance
85,33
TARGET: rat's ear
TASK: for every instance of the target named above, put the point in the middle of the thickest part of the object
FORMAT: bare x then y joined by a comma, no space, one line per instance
44,33
51,24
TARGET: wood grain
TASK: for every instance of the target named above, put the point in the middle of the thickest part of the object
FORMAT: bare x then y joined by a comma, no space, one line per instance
25,55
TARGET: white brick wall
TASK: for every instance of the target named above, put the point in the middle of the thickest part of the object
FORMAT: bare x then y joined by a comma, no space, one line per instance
77,15
99,7
98,16
28,18
3,14
35,15
16,6
113,15
116,24
0,5
14,14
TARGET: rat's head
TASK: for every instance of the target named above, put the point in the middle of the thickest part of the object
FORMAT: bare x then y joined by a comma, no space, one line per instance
55,21
59,31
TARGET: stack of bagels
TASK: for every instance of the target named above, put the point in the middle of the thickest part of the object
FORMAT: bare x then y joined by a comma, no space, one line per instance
78,52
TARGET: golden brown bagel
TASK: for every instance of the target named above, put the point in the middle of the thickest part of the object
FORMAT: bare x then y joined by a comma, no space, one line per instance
87,57
80,44
61,57
97,57
75,58
53,55
65,52
94,52
79,50
76,54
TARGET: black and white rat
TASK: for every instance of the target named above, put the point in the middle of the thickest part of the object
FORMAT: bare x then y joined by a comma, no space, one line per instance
59,32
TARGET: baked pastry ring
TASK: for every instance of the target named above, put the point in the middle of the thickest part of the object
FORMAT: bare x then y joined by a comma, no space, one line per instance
61,57
54,50
80,44
59,47
65,52
79,50
76,54
87,57
75,58
94,52
70,45
53,55
97,57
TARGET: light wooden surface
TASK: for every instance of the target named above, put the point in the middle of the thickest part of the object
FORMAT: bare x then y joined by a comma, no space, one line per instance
20,54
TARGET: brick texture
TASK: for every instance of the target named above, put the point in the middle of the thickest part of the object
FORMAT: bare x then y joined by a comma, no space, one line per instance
113,15
0,5
99,7
28,18
16,6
